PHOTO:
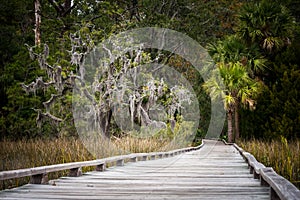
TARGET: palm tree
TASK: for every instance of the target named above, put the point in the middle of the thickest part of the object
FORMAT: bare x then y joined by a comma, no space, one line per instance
239,88
234,49
237,66
266,24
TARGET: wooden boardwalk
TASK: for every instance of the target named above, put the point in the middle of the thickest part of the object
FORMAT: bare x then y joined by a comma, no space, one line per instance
216,171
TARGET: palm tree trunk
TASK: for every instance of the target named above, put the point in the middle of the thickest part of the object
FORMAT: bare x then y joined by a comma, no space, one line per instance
236,122
229,122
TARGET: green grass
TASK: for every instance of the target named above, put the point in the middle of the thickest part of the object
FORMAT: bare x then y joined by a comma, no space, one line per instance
282,155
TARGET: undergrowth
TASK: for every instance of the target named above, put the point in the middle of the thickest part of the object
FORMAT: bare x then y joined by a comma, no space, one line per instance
282,155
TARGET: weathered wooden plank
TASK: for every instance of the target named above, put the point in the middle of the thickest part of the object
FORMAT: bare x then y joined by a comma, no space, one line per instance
254,165
211,197
145,195
281,188
140,188
152,183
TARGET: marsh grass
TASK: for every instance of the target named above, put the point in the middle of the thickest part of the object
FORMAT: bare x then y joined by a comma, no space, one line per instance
32,153
282,155
138,145
37,152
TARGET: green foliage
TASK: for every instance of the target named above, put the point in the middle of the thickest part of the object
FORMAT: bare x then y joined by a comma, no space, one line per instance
236,65
15,30
285,98
234,49
204,21
277,112
18,116
15,27
267,24
277,108
265,28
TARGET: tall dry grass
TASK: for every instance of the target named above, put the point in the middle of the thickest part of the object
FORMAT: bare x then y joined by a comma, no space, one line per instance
32,153
37,152
282,155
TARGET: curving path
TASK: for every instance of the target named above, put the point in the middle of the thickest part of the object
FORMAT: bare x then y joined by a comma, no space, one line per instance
216,171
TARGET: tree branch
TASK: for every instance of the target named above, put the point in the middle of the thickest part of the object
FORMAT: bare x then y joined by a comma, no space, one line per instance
56,6
68,10
38,84
48,103
41,117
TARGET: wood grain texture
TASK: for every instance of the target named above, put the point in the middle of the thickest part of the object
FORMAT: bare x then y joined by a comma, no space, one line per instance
281,188
216,171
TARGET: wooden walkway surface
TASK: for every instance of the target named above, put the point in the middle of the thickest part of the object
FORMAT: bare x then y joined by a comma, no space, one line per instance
216,171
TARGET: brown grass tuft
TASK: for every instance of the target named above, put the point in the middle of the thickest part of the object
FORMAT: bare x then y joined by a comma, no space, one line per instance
282,155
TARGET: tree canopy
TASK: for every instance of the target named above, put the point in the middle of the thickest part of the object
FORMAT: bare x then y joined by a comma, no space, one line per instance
255,45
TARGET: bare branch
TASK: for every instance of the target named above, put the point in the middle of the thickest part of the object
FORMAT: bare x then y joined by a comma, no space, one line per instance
42,117
89,96
59,9
34,86
32,54
56,119
48,103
